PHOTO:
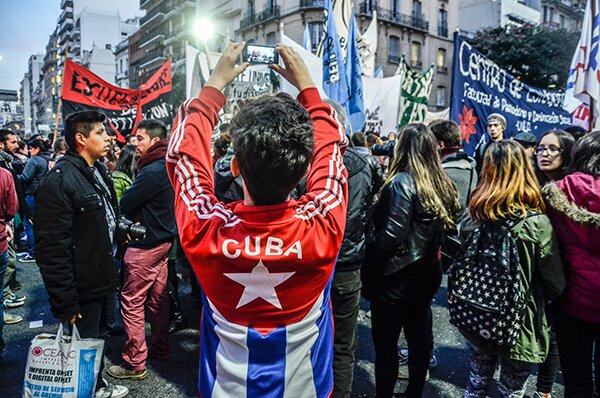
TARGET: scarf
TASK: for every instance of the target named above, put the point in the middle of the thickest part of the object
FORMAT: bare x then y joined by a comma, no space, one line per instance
155,152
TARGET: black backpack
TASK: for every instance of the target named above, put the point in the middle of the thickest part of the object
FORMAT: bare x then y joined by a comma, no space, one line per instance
484,284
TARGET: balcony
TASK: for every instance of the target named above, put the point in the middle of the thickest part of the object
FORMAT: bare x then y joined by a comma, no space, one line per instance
67,12
65,24
443,30
312,4
154,15
178,33
385,15
393,59
416,64
66,3
153,36
178,6
123,75
151,59
442,69
266,15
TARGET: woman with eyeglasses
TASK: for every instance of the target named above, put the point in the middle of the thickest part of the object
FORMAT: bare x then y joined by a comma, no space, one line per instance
553,155
574,210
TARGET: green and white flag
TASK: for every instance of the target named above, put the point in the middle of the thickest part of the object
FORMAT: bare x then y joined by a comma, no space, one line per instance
414,97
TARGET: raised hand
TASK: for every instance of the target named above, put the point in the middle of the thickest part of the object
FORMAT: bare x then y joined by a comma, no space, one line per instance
226,69
295,70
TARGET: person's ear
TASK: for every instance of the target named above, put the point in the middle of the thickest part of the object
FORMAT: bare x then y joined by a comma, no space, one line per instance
235,167
441,144
80,139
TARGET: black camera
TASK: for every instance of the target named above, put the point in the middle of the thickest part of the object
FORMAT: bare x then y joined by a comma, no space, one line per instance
386,149
126,228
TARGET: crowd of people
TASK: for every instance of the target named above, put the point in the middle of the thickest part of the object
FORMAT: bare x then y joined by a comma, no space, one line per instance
287,218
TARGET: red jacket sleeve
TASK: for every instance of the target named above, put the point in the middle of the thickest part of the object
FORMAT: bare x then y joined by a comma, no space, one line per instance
10,204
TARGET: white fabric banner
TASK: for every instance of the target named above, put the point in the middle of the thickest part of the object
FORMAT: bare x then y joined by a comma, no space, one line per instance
367,46
382,98
314,64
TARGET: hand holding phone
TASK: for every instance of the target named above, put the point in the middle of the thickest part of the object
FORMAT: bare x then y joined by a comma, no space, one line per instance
258,54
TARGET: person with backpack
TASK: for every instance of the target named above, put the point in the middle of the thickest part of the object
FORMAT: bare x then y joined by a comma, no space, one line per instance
126,170
36,168
402,271
574,209
507,268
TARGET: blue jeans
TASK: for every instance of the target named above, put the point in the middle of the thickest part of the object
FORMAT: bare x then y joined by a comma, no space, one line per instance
3,266
30,200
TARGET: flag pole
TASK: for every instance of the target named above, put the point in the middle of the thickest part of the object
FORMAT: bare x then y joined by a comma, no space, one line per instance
59,104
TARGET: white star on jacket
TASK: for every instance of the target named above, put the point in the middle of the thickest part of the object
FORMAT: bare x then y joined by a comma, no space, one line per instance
259,283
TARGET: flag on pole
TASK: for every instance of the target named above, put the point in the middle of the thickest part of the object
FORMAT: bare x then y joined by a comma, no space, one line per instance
379,71
367,46
334,76
583,84
414,98
306,39
356,106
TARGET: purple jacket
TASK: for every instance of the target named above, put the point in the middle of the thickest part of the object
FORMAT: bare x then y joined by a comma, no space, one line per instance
8,205
574,209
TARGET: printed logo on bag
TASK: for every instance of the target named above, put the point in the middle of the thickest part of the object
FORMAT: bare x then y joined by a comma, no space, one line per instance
37,351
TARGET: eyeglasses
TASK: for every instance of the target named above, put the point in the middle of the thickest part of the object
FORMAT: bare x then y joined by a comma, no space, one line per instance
552,150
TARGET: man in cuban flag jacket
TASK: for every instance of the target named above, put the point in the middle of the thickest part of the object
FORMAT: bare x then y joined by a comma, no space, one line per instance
265,270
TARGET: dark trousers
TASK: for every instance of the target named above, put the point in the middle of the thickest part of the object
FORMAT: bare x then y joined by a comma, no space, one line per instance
3,267
387,322
547,370
576,339
345,300
93,316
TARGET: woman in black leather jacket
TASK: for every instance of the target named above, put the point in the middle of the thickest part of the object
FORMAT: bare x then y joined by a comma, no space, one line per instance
418,202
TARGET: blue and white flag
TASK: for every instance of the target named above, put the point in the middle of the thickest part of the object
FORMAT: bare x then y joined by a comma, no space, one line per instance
334,76
379,71
356,106
306,39
583,84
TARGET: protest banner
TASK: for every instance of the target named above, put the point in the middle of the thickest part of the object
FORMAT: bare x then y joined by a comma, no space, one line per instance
480,87
381,98
124,108
416,88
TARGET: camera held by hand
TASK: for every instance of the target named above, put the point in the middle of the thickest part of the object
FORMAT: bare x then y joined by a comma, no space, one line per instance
126,230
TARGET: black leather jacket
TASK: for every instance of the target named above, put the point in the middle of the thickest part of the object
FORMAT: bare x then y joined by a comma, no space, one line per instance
403,230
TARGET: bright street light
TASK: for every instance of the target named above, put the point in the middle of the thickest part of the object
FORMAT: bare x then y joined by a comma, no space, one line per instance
204,29
1,58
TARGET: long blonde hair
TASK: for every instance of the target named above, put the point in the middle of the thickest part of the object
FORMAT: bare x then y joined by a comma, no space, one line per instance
507,187
417,153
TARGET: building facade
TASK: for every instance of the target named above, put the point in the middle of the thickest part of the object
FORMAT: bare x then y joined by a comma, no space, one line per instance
419,29
31,91
46,112
122,64
11,111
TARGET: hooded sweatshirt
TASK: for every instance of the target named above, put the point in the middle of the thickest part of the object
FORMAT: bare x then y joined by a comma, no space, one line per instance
574,208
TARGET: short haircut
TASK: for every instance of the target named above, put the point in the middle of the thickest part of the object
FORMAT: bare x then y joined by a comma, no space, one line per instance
341,113
154,128
371,140
447,132
60,145
273,143
576,131
586,155
359,139
4,133
81,122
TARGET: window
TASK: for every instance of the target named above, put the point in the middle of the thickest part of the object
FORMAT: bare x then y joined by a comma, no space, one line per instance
316,33
443,23
441,96
271,39
416,9
562,21
395,7
393,49
545,14
551,17
416,54
251,9
441,61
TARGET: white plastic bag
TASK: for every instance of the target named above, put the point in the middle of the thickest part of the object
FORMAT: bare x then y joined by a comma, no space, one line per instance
61,366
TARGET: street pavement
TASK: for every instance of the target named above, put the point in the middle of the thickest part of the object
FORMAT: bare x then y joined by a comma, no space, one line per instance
177,377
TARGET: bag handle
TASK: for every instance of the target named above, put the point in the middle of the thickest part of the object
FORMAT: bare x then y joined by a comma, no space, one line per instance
75,333
59,334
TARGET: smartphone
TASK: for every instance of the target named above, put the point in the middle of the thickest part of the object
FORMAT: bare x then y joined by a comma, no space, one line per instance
256,54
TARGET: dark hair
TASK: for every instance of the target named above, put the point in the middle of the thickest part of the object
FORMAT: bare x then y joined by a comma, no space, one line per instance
60,145
127,162
273,144
154,128
447,132
39,143
224,128
81,122
359,139
371,140
4,133
576,131
416,153
220,147
566,142
586,155
22,144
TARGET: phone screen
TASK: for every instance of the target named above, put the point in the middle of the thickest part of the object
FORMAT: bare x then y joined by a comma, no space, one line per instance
261,54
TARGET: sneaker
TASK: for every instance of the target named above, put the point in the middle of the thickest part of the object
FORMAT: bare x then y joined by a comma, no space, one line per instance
433,362
27,258
10,318
15,285
15,297
403,361
403,373
10,303
538,394
121,372
112,391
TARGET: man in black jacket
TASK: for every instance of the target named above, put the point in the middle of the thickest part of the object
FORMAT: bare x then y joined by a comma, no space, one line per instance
149,202
74,224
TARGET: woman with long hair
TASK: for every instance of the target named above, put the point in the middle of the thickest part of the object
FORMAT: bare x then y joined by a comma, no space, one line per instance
508,195
552,155
125,170
418,203
574,208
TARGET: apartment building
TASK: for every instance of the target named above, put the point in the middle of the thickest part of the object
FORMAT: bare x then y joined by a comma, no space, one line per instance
31,86
122,64
50,88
